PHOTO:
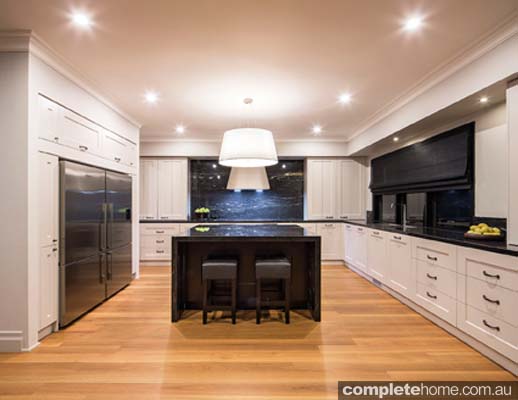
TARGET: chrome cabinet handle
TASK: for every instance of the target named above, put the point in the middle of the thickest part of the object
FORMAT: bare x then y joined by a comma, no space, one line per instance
397,237
496,276
159,231
495,328
56,138
159,241
431,258
431,296
118,159
160,251
83,148
431,276
375,233
497,302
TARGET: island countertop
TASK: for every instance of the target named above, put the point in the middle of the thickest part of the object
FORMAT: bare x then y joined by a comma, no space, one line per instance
247,231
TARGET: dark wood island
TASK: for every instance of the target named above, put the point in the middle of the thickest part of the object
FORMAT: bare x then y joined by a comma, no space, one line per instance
245,243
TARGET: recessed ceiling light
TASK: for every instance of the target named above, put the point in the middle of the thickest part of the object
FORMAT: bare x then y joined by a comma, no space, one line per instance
81,19
317,129
151,97
345,98
484,99
413,23
395,139
180,129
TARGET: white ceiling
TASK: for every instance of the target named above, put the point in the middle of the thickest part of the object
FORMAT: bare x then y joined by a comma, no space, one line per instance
294,57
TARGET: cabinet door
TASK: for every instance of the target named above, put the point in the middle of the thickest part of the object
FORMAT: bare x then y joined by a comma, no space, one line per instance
351,189
377,255
115,148
48,197
48,274
360,251
80,133
349,244
49,119
321,189
148,189
331,240
400,274
172,189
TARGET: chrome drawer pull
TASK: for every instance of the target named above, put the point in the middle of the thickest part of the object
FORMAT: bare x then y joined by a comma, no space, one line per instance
431,296
83,148
376,232
160,251
496,276
397,237
159,241
431,258
431,276
495,328
159,231
497,302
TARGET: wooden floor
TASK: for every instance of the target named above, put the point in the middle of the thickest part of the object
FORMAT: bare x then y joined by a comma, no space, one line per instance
127,349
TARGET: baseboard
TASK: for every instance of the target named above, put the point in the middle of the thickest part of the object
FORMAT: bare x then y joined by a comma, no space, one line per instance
482,348
31,348
155,263
11,341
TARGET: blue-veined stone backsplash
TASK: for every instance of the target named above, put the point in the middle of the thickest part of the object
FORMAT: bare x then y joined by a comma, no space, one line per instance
284,200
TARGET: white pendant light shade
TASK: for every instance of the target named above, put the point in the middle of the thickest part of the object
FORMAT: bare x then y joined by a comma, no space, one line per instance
248,148
248,179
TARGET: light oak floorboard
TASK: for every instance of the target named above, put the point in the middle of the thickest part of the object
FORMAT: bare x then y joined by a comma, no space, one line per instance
128,349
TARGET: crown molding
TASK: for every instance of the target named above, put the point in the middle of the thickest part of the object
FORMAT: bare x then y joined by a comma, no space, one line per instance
27,41
504,31
198,140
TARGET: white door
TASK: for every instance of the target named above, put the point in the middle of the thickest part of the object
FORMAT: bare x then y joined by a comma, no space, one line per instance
49,120
148,189
48,274
351,190
172,189
400,275
360,248
48,197
321,189
377,264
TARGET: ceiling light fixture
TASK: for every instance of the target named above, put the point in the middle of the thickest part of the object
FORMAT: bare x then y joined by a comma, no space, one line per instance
395,139
413,23
248,147
151,97
484,99
81,19
345,98
180,129
317,129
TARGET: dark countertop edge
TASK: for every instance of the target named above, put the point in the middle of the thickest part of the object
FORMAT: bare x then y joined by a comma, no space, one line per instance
244,221
199,238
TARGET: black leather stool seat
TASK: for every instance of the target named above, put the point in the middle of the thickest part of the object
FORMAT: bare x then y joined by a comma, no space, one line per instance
219,269
273,268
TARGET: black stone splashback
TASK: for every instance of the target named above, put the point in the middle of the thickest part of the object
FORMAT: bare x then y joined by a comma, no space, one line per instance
284,201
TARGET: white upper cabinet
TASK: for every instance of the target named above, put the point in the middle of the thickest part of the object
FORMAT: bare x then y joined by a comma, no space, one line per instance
321,189
335,189
49,120
118,149
148,189
79,133
172,189
48,197
351,196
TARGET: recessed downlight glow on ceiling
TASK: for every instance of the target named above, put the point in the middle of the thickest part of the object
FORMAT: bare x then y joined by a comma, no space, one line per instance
151,97
413,23
484,99
345,98
180,129
317,130
81,19
395,139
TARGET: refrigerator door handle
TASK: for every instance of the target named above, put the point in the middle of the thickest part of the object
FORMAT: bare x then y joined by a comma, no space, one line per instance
110,226
101,269
102,228
109,266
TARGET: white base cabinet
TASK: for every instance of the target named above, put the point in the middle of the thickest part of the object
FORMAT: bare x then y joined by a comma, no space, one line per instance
331,240
377,255
401,272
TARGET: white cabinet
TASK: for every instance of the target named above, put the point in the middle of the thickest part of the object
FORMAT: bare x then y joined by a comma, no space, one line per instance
331,240
156,240
80,133
148,189
172,189
321,189
400,272
48,197
377,255
49,120
360,248
349,243
351,196
118,149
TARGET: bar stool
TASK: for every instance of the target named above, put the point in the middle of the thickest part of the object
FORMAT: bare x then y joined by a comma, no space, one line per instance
214,269
273,268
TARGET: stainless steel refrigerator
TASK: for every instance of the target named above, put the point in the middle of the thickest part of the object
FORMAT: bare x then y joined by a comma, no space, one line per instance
95,236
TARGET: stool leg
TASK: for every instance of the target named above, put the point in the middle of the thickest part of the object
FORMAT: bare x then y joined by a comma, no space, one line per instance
204,318
287,292
258,301
234,300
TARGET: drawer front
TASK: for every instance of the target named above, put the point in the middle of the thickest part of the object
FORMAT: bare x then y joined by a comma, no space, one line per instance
437,278
437,303
160,229
493,300
154,253
397,238
436,253
489,330
492,275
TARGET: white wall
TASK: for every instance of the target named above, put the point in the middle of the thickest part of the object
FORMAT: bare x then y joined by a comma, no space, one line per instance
490,159
13,212
512,115
200,148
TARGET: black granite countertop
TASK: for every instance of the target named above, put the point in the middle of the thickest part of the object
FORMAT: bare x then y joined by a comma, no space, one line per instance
236,221
248,231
